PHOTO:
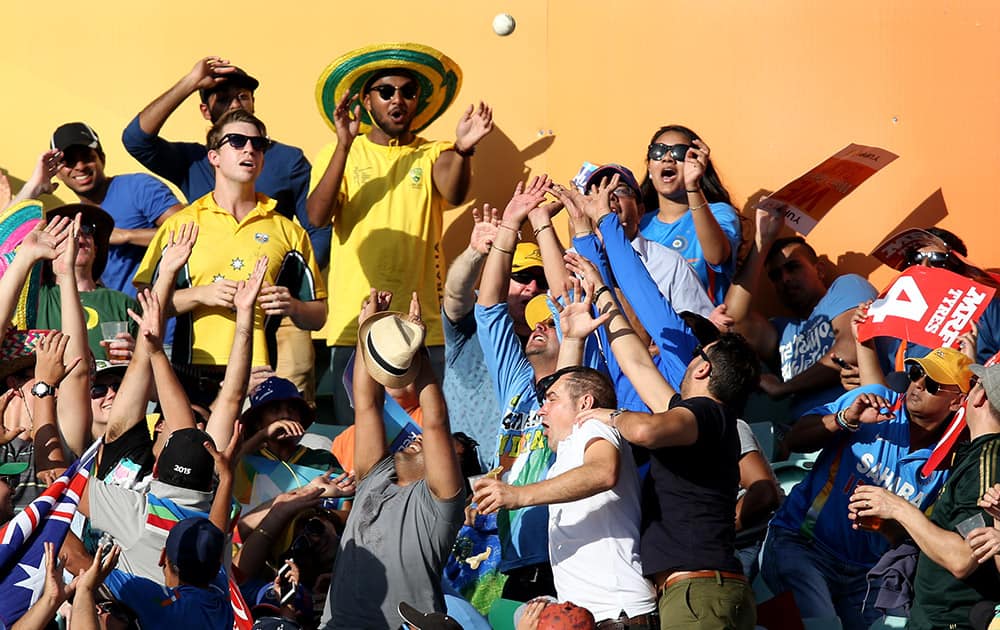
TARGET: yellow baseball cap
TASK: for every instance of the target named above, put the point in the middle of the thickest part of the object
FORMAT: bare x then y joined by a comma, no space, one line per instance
947,366
537,311
526,256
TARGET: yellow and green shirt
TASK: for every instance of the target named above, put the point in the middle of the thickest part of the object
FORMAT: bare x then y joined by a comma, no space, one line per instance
388,233
228,249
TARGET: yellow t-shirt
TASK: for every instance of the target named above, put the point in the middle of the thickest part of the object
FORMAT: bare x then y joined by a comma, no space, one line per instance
388,234
228,250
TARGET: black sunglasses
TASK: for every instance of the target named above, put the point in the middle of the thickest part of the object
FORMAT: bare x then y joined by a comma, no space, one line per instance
544,383
699,351
386,91
657,151
942,260
88,229
932,387
525,277
239,140
101,390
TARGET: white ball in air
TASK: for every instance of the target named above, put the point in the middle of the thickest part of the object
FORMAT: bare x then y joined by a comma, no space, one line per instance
503,24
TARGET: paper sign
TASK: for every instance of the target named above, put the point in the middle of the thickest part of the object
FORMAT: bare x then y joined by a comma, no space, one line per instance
895,252
807,199
928,306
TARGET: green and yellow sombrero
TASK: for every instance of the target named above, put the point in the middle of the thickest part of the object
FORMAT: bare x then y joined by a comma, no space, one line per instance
440,79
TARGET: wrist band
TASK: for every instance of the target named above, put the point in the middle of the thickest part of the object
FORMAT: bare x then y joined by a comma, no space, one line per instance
501,249
693,192
541,229
579,234
844,424
699,206
613,416
466,152
598,293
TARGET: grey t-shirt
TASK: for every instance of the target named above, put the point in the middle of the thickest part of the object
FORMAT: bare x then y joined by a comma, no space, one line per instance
123,514
393,550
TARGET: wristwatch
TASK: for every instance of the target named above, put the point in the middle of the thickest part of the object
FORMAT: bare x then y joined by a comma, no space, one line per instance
41,389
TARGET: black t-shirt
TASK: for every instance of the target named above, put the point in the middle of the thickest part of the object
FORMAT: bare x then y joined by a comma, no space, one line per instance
128,459
689,496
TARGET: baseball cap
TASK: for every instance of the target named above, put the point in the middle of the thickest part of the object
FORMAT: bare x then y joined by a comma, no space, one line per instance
195,547
13,468
566,616
526,256
185,462
73,134
237,77
609,170
990,379
274,390
537,310
947,366
426,621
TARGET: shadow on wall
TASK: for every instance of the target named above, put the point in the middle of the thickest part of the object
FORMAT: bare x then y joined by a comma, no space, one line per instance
48,201
498,166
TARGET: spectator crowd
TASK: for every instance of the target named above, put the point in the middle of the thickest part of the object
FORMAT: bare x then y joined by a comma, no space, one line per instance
581,430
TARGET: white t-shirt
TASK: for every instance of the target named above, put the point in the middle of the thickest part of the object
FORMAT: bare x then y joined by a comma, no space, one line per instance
594,542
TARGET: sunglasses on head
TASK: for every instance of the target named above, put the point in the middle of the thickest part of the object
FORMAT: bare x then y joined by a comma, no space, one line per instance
101,390
932,387
657,151
933,259
544,383
525,277
386,91
239,140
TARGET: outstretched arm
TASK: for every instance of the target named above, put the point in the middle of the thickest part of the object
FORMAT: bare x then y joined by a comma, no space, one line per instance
452,171
757,330
459,285
715,246
444,476
324,202
40,182
226,408
50,369
207,73
369,436
73,404
44,242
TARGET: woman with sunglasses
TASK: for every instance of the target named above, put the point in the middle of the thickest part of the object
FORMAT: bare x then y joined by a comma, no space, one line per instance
694,215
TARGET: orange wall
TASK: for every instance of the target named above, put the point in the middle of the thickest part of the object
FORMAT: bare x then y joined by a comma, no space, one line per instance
774,88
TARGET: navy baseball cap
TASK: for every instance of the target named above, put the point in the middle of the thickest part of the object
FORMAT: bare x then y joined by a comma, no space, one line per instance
195,547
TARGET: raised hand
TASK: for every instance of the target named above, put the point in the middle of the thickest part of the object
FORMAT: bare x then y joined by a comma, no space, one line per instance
695,164
259,374
576,318
6,435
524,200
602,197
225,459
485,225
120,350
151,320
868,408
46,240
860,314
347,121
104,562
178,250
40,182
414,314
376,302
769,223
967,342
721,318
209,72
65,262
579,265
49,367
473,126
247,291
574,201
55,589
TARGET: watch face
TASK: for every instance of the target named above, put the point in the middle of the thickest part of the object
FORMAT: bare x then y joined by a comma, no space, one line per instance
41,389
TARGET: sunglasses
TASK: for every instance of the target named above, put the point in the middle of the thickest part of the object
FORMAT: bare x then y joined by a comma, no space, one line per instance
932,387
239,140
385,91
623,191
116,610
657,151
101,390
699,351
933,259
88,229
543,384
525,277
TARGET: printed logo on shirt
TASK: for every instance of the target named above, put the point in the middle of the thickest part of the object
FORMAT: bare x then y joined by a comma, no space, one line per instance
882,474
361,175
416,174
679,243
806,347
237,264
260,237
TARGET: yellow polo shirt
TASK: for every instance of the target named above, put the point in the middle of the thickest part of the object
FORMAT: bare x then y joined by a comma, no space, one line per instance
228,250
388,234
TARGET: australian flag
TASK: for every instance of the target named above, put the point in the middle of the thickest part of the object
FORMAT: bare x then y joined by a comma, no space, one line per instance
46,519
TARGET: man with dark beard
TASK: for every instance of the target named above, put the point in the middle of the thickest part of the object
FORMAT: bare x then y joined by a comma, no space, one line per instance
384,188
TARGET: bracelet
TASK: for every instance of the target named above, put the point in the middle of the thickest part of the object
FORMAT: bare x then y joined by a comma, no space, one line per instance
693,192
466,153
598,293
613,416
844,424
580,234
501,249
698,207
541,229
507,227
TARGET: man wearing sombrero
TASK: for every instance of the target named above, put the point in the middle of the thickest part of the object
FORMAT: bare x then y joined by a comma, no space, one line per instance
385,190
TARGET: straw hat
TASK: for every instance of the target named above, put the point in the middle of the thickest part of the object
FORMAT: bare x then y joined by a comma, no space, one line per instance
389,342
